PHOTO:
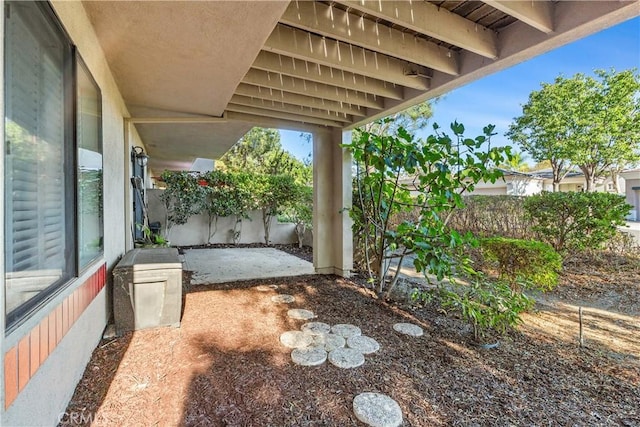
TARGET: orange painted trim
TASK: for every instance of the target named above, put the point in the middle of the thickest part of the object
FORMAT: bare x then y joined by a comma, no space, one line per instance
10,376
24,364
23,360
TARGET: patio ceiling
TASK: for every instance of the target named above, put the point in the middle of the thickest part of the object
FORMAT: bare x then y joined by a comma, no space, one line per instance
197,75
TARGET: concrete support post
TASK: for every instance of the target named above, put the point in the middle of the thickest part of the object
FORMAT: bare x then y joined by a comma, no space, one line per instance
332,235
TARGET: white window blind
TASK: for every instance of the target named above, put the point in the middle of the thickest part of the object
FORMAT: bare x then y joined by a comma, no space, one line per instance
35,209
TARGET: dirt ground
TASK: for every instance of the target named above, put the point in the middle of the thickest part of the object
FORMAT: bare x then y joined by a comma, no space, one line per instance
225,366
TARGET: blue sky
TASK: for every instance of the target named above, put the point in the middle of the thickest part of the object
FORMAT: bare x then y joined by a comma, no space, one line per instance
498,98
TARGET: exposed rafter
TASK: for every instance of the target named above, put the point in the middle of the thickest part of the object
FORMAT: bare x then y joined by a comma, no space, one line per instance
272,122
337,24
429,19
331,53
284,115
289,108
293,67
318,90
295,99
538,14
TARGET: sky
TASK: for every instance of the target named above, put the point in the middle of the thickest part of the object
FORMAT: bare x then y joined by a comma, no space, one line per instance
497,99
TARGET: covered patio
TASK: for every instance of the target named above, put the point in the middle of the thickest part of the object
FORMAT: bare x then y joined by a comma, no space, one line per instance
90,85
194,79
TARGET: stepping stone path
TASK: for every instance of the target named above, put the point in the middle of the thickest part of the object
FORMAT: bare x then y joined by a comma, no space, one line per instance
296,339
363,344
283,298
346,358
377,410
315,328
317,341
346,330
408,329
300,314
309,356
328,341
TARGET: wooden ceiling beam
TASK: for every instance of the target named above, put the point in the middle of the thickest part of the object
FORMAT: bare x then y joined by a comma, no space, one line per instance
433,21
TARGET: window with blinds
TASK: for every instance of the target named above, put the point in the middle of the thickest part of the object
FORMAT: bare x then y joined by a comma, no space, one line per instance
41,158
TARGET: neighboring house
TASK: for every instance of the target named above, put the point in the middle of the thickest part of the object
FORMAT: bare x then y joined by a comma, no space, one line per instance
514,183
632,192
90,88
527,183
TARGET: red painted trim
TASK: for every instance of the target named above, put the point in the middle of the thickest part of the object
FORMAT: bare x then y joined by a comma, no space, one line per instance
23,360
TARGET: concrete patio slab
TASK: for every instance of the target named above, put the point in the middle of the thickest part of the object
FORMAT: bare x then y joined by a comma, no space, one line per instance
222,265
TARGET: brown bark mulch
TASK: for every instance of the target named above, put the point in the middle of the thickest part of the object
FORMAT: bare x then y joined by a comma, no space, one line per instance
225,367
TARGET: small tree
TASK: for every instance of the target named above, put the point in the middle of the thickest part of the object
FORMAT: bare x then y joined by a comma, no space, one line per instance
543,131
273,193
396,173
300,211
592,123
182,198
221,198
242,200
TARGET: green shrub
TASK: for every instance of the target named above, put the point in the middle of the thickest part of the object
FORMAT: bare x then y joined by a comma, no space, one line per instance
486,305
523,262
576,221
487,216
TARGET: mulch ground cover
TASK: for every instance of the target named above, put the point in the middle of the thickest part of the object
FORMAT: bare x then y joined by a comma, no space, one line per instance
225,366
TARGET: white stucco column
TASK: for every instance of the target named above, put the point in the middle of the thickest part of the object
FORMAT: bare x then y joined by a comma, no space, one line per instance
332,235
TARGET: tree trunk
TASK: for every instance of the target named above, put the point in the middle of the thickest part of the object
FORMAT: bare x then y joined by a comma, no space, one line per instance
614,180
556,186
300,229
589,178
266,221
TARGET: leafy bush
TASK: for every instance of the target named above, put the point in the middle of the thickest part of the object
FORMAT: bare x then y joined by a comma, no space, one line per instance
182,197
487,216
576,221
523,262
486,305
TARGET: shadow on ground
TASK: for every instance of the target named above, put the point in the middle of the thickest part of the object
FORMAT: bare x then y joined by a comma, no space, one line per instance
226,367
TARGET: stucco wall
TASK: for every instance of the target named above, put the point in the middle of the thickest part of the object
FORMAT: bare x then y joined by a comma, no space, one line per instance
46,394
489,191
195,232
633,197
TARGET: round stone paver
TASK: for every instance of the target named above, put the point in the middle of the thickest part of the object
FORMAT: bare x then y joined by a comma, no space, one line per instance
295,339
346,358
329,341
377,410
363,344
346,330
315,328
309,356
300,314
408,329
283,298
266,288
